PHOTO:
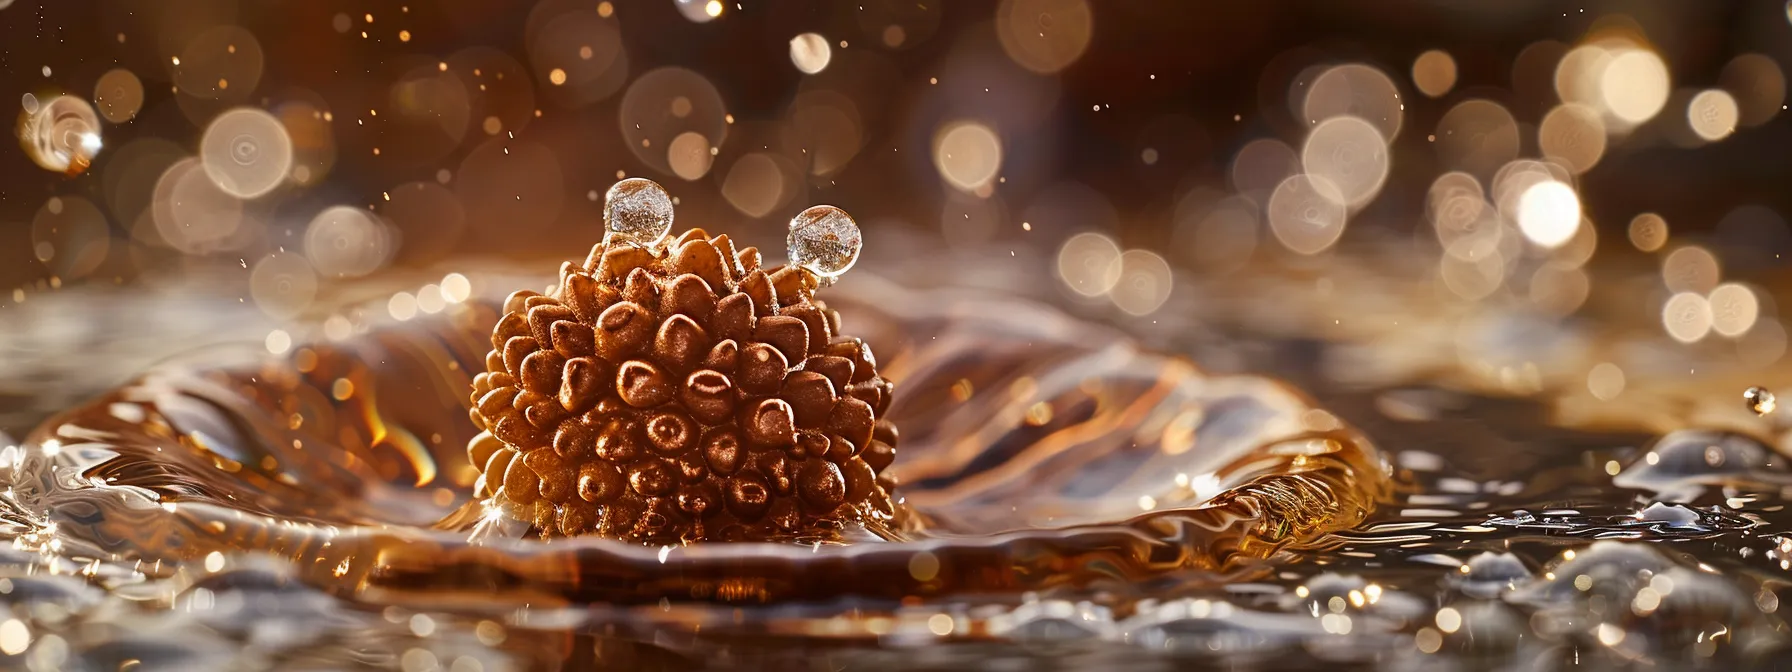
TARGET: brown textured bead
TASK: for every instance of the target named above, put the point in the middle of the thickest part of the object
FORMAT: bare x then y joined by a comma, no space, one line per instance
769,423
690,234
765,299
762,369
650,397
709,396
748,497
791,284
642,384
496,401
572,339
852,419
521,484
671,433
556,479
542,319
811,396
775,467
583,383
482,447
619,440
508,327
749,258
651,478
541,372
817,328
734,318
864,366
690,296
640,288
821,485
575,440
788,334
579,291
879,455
680,344
723,451
700,258
599,482
515,350
837,369
730,256
724,357
622,330
620,260
515,302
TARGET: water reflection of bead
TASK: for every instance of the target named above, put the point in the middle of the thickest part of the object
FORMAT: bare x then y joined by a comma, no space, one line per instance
825,240
62,135
638,211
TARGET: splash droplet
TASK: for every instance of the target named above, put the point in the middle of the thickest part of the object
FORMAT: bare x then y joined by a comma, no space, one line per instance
1759,400
637,210
825,240
62,135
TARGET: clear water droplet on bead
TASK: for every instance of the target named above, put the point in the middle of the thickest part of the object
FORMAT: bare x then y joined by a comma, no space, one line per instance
1759,400
638,210
825,240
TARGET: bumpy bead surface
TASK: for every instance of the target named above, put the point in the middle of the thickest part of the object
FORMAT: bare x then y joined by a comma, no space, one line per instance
681,394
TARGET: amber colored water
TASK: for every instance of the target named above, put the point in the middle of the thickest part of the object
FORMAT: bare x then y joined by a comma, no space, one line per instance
1076,498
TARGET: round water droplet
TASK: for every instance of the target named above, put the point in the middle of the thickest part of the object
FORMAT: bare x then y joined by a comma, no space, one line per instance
825,240
62,135
1759,400
638,210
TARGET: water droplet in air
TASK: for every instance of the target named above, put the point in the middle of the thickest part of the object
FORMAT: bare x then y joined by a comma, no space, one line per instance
825,240
637,210
1759,400
62,135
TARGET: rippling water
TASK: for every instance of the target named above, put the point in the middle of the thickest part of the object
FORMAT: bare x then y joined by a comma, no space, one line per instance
1075,498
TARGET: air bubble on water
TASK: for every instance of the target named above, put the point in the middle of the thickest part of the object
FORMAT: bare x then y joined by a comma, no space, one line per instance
29,102
62,135
825,240
1759,400
637,210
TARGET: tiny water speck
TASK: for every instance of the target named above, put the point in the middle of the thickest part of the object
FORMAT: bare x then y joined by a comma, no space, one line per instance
1759,400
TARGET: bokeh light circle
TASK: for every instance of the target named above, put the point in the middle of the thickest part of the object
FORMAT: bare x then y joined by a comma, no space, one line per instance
1713,114
1648,232
664,104
968,155
192,213
1434,73
1144,283
1349,153
69,236
1307,214
282,284
810,53
1089,264
1045,36
1573,135
119,95
347,242
246,152
1477,136
1549,213
1358,91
